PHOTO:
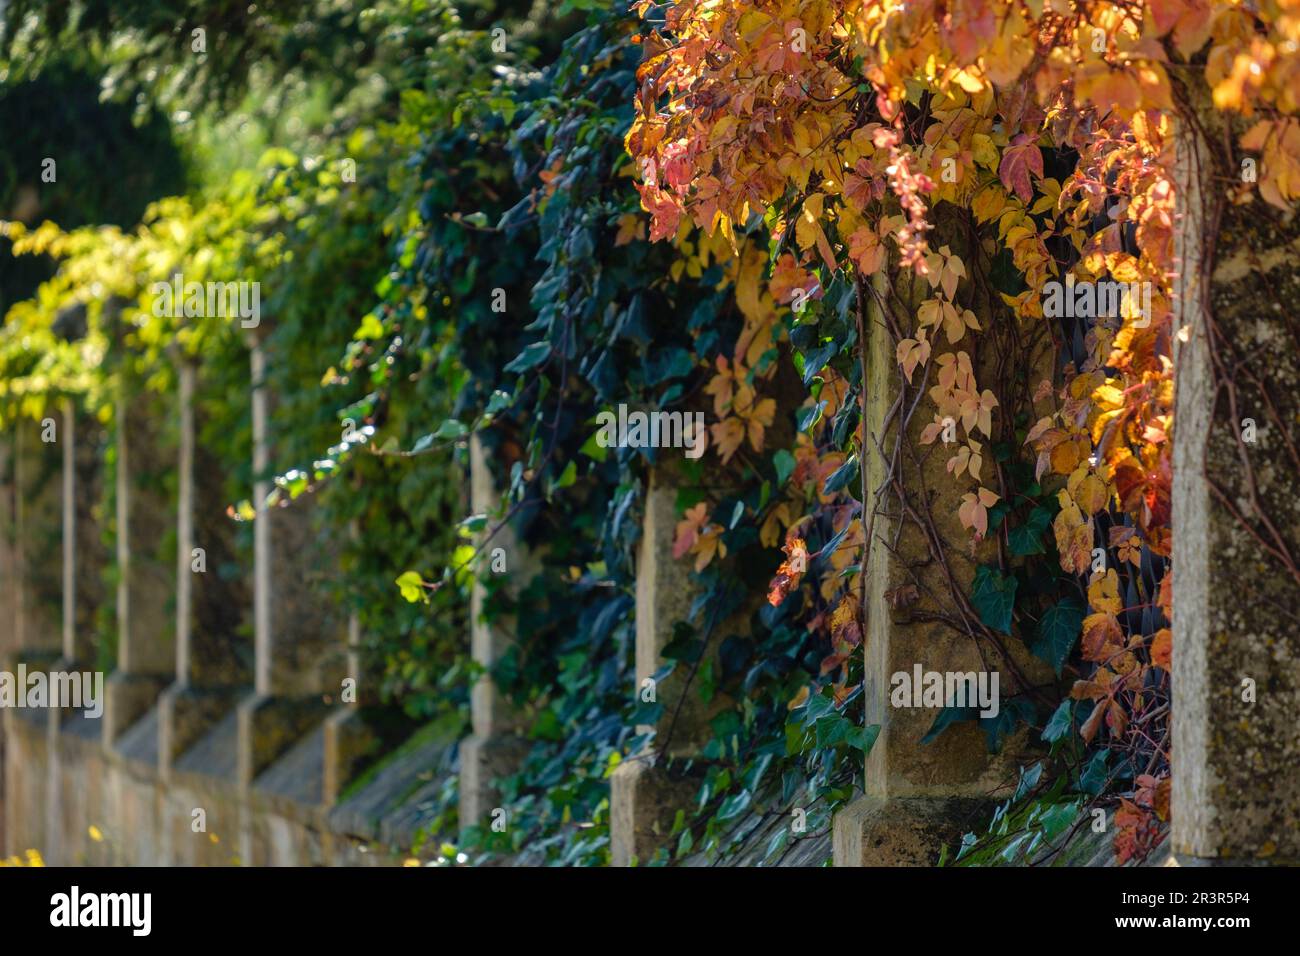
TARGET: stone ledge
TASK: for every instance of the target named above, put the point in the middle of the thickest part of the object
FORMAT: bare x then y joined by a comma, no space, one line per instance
140,818
903,831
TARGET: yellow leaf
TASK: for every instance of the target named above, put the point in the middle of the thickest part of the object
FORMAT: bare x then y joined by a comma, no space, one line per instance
1103,593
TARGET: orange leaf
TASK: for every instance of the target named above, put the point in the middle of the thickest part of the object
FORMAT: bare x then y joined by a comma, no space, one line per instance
1162,647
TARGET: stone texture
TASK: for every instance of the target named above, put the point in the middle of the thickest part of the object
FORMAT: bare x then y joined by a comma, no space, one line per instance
904,831
645,796
38,543
185,714
946,774
347,742
140,820
268,727
482,761
495,749
91,555
1236,792
146,464
309,633
664,594
644,800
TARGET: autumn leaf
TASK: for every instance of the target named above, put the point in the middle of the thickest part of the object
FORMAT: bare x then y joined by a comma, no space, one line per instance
974,511
1162,646
1103,593
1088,491
1102,637
911,353
688,529
778,517
707,546
1136,832
866,249
1073,537
727,436
791,570
1019,159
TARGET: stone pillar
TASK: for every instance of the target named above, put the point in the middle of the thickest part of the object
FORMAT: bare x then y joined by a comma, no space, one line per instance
298,637
644,794
1236,517
90,556
69,531
208,675
38,544
918,797
8,554
67,441
6,600
347,738
145,636
35,631
495,748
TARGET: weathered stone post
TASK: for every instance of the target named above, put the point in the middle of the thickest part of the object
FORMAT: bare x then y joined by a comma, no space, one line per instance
6,601
644,800
917,797
495,747
208,673
298,640
38,542
84,556
8,551
346,736
644,796
1236,511
145,637
35,630
70,655
67,439
84,560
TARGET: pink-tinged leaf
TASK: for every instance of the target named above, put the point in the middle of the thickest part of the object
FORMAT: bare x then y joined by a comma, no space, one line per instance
1018,160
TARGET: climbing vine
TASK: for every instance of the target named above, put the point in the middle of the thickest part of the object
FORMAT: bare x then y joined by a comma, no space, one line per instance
852,129
912,261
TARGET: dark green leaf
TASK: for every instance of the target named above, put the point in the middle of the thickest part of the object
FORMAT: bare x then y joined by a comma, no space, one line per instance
994,597
1058,630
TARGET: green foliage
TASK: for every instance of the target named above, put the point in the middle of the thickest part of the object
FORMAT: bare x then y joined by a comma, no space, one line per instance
1058,632
994,597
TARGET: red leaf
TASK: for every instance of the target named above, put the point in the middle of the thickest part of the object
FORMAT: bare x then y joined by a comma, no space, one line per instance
1018,160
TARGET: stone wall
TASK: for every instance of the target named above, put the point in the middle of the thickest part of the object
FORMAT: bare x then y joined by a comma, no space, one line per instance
215,749
212,749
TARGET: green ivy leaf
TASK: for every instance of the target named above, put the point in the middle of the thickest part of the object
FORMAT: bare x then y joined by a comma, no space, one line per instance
593,449
841,476
865,740
451,428
370,328
532,355
1093,777
1010,714
784,463
1027,539
1058,631
1059,724
816,359
994,597
734,805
